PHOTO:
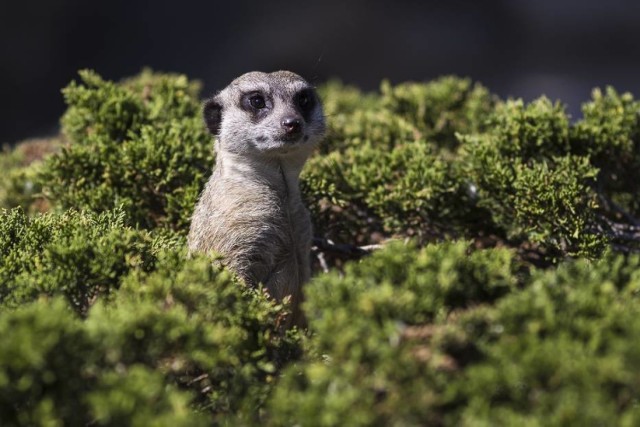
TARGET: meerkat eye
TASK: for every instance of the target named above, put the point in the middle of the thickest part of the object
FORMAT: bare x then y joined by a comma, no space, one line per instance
305,101
257,102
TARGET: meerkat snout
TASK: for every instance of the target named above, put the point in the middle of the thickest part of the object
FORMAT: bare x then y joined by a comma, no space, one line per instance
251,210
292,127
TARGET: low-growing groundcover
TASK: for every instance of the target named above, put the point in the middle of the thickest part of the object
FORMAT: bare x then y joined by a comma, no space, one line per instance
506,291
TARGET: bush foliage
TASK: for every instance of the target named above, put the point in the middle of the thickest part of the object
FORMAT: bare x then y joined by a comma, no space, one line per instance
112,325
140,145
505,292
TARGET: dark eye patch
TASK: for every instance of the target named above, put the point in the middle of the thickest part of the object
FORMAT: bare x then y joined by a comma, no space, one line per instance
305,101
254,101
256,104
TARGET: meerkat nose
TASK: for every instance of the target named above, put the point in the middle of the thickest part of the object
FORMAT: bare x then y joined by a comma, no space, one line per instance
291,125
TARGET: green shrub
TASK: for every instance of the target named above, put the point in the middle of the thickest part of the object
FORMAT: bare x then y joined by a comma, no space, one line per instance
51,374
441,108
386,166
610,134
442,337
140,145
152,322
533,186
41,358
363,367
510,305
20,165
512,172
80,256
14,185
409,190
558,352
225,341
432,111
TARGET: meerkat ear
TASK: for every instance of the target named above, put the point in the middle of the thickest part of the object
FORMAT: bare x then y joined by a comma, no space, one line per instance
212,112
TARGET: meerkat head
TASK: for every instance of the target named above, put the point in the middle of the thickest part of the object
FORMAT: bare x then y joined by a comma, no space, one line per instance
273,114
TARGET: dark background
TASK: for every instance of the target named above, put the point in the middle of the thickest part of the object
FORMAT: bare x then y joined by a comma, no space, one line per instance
520,48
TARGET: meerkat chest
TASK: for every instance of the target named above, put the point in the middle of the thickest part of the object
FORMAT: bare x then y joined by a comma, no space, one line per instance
298,220
268,214
293,218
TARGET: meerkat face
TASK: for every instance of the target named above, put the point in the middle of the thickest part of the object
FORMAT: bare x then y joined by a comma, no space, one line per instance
258,113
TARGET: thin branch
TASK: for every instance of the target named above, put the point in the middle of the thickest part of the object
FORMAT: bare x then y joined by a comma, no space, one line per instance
342,249
611,206
624,238
623,231
623,249
322,261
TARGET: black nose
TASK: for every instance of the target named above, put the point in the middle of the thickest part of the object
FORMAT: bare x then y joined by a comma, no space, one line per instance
291,125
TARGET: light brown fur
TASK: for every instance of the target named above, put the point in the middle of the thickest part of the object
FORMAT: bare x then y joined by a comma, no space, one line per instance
251,210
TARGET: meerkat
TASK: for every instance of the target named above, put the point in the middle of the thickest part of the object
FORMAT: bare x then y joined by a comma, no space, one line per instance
251,212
